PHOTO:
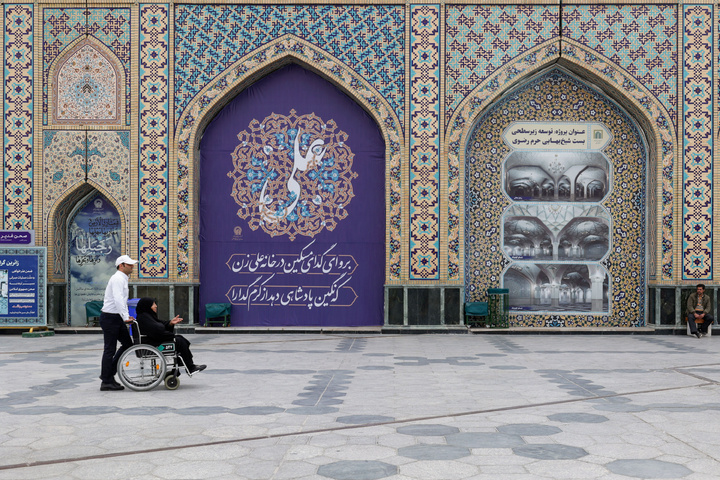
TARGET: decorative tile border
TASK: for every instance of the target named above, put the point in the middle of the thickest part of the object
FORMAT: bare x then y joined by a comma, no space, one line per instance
18,118
154,138
216,94
424,142
534,60
698,89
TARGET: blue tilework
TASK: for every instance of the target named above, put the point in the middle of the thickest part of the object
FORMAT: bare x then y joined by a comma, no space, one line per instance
210,38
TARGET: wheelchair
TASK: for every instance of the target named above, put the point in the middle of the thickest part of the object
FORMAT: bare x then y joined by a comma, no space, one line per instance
143,366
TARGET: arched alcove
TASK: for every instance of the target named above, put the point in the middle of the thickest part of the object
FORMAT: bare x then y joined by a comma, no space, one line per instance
616,83
558,129
88,85
292,205
237,77
56,230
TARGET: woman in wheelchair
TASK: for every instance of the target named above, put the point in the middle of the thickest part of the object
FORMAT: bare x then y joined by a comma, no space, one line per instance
156,332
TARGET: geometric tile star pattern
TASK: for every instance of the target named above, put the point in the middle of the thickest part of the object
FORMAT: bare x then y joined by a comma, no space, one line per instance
424,142
697,142
18,101
153,141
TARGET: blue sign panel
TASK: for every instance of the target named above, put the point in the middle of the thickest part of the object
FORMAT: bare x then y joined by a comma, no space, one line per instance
23,277
20,238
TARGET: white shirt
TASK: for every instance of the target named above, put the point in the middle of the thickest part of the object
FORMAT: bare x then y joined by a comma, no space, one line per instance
116,295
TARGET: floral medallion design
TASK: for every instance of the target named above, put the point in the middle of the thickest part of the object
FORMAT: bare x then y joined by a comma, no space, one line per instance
292,175
87,88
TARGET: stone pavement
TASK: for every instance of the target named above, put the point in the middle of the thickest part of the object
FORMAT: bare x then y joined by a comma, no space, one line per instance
344,406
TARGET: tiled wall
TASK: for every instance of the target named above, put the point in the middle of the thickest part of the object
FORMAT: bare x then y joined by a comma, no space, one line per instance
424,72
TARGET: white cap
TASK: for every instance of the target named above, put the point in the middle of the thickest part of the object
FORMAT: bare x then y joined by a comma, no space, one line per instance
124,259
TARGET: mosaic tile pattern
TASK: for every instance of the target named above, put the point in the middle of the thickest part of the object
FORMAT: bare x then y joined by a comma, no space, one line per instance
87,83
635,46
642,39
662,172
18,118
553,97
479,39
63,26
154,138
225,85
697,142
368,39
424,142
58,235
457,136
107,168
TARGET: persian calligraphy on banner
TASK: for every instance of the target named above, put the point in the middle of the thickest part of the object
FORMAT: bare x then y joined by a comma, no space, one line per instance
266,274
291,215
94,244
556,136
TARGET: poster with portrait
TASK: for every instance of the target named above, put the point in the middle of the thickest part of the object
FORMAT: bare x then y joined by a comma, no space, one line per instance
93,245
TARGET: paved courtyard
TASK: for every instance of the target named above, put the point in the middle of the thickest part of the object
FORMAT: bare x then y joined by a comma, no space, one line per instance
339,406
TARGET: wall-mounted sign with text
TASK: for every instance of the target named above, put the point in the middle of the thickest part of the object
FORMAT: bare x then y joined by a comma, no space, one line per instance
23,276
556,136
21,238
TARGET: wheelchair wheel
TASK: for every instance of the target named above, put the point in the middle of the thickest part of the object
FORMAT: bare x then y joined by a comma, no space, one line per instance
172,382
141,367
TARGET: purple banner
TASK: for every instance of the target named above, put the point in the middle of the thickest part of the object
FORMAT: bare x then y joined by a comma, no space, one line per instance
24,238
292,214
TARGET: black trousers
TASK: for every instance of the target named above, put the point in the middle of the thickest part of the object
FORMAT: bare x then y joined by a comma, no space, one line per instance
703,327
114,330
182,345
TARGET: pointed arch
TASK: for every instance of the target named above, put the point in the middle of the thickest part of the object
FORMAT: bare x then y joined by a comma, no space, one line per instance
56,229
652,117
87,85
70,159
209,101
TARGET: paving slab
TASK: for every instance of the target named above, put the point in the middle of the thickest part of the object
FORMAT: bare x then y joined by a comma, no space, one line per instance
342,405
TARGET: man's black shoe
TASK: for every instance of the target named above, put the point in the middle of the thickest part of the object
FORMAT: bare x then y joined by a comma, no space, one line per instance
198,368
697,334
104,387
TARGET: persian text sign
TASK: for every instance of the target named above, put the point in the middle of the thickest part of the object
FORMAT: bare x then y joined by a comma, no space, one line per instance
24,238
556,136
22,286
269,274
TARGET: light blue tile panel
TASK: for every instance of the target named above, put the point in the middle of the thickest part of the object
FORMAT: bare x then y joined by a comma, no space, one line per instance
154,139
424,142
18,116
697,74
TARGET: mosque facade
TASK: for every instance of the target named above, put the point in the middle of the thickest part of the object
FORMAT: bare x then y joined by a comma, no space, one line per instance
360,165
